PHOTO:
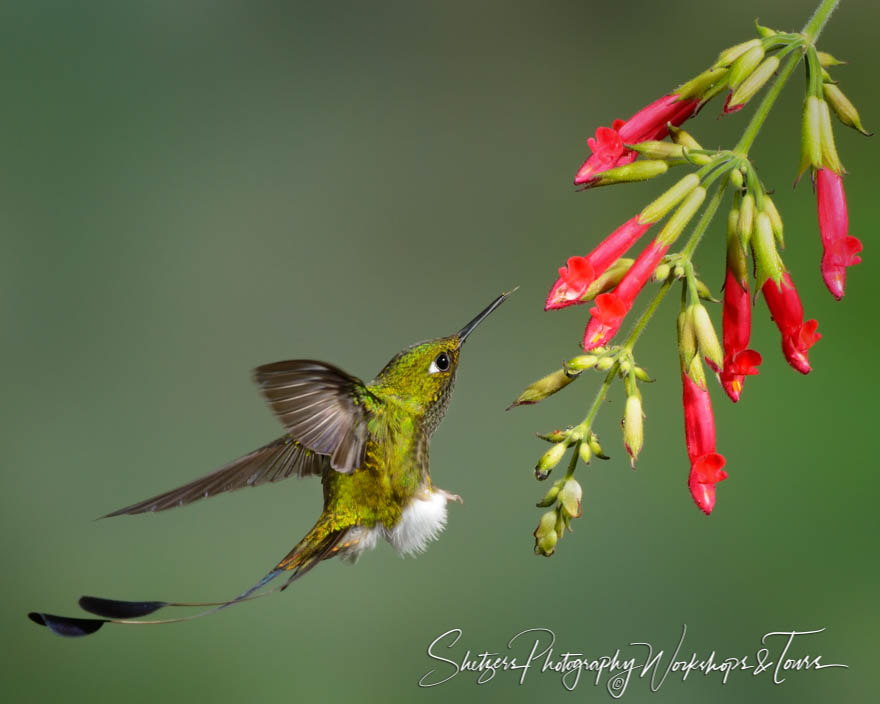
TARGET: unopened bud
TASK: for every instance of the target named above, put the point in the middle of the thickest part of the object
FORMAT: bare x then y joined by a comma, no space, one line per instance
736,178
736,255
811,136
593,441
633,431
570,498
731,54
768,265
605,363
629,173
668,200
550,497
550,459
704,293
685,139
678,271
743,67
682,216
545,534
765,32
544,387
661,273
584,452
696,372
687,340
751,85
624,366
699,85
830,160
775,220
554,436
746,222
846,112
641,374
707,339
826,59
581,362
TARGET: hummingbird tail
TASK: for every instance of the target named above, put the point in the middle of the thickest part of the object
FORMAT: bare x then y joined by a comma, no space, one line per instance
300,561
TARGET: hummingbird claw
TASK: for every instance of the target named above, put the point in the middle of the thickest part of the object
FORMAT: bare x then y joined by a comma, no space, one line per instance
451,497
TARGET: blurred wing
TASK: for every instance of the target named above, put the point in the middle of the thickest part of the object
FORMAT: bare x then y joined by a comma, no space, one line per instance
271,463
321,407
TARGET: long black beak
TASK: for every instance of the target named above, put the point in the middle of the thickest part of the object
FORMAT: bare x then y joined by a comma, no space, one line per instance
469,328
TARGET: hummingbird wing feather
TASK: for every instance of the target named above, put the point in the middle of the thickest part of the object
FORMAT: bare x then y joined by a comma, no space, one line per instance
321,406
271,463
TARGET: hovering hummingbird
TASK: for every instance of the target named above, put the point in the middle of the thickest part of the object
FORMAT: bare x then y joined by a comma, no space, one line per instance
367,442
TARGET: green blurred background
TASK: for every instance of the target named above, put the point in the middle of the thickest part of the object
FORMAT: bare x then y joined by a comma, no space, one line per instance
193,189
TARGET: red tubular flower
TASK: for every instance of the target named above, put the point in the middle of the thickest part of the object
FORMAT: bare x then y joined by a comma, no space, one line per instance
611,308
736,328
707,466
788,314
841,250
575,278
648,123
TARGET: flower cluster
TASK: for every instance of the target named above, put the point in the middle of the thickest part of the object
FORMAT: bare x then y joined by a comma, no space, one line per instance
644,147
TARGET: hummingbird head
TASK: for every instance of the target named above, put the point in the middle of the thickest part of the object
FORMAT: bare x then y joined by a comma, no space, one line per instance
421,376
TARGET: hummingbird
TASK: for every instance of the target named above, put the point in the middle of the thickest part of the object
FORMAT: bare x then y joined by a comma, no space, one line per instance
368,443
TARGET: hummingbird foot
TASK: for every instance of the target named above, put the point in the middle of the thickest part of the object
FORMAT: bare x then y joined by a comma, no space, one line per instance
450,496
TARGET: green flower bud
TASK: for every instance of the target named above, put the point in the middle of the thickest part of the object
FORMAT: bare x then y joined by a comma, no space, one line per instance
768,265
744,65
554,436
751,85
746,222
685,139
629,173
550,497
682,216
668,200
542,388
704,293
593,441
605,363
687,340
765,32
843,108
826,59
545,534
584,452
736,255
699,85
550,459
707,339
830,159
570,498
581,362
731,54
811,136
661,273
641,374
775,220
633,432
736,178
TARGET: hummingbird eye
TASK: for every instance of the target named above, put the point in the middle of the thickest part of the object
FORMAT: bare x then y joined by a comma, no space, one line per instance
440,364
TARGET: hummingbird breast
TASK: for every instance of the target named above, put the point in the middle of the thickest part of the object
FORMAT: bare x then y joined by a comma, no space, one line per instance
420,523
